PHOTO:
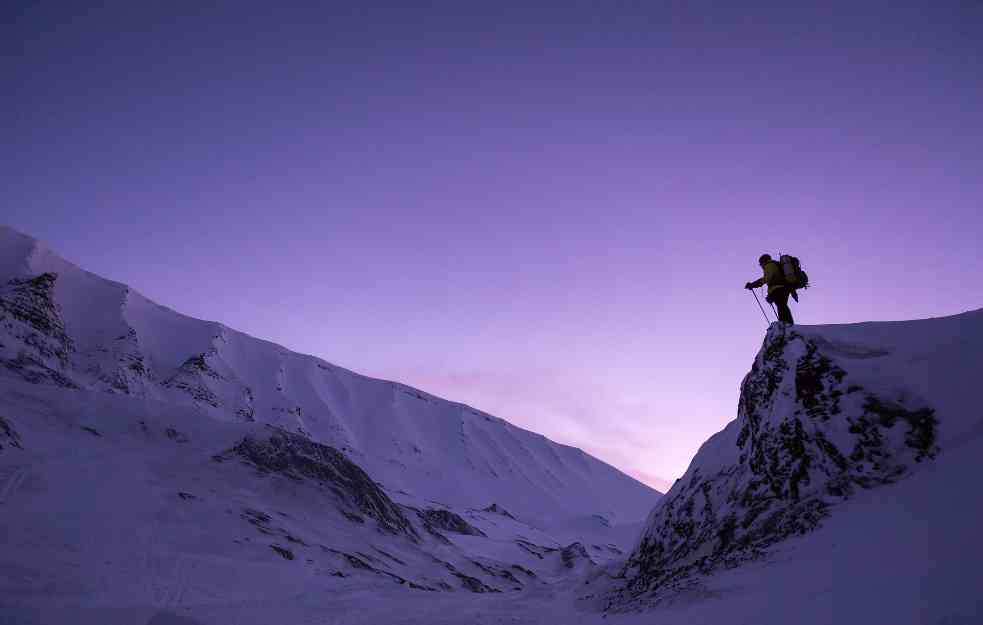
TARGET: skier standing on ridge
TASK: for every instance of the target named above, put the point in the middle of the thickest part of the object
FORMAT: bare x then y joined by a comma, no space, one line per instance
778,290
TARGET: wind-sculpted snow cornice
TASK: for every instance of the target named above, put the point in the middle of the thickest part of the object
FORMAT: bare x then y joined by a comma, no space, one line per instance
808,437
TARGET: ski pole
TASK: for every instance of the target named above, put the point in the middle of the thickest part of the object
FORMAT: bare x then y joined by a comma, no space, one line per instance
763,313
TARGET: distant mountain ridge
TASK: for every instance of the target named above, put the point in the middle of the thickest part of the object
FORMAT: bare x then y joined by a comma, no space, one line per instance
67,327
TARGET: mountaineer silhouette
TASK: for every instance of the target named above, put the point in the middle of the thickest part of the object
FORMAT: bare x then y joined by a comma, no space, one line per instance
783,278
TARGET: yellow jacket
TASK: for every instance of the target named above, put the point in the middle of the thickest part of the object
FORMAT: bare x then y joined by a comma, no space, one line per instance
774,277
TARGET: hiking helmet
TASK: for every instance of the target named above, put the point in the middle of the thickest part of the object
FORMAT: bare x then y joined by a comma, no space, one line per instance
764,258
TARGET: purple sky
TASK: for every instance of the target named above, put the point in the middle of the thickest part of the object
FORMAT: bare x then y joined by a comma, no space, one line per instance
546,212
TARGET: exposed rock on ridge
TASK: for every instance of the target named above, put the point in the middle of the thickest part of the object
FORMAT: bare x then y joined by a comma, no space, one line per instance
30,315
8,435
805,439
435,519
297,457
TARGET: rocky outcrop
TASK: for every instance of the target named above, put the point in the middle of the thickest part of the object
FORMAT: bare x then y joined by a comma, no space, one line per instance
468,582
30,301
435,519
208,381
192,377
297,457
494,508
499,572
119,365
8,435
34,344
806,438
533,549
575,554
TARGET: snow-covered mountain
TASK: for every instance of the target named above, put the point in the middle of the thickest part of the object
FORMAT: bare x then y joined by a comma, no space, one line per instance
66,327
150,461
157,469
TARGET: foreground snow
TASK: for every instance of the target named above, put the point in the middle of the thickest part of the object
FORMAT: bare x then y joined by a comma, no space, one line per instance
91,537
131,505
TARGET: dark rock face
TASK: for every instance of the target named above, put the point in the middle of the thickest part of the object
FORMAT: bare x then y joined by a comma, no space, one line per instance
36,371
34,343
8,435
260,520
209,381
497,509
806,441
497,571
30,300
468,582
524,571
574,553
192,378
449,521
360,562
176,436
118,366
283,552
297,457
533,549
474,584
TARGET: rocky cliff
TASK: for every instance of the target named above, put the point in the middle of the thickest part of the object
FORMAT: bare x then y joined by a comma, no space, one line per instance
809,435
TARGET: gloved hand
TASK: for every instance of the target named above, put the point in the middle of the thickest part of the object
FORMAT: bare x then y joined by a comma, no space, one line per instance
748,286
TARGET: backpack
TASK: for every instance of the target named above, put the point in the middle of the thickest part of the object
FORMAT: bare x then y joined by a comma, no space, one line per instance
792,270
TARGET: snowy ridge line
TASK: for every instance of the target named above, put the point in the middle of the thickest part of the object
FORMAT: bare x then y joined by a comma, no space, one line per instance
115,340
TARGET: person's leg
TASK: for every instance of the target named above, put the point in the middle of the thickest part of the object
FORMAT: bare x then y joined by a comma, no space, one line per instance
781,301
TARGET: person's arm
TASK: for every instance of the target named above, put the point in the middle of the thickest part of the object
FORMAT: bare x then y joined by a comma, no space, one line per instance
760,281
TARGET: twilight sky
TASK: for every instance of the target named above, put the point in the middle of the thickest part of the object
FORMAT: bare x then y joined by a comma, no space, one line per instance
544,210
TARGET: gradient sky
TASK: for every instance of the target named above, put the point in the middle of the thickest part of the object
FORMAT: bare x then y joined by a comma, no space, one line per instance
545,210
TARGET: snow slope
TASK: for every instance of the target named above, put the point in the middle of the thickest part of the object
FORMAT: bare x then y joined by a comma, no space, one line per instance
67,327
127,506
150,462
